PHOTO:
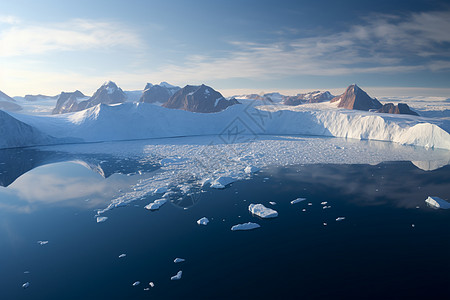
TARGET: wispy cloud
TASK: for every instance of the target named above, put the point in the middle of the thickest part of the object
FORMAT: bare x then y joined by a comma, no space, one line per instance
7,19
380,44
78,34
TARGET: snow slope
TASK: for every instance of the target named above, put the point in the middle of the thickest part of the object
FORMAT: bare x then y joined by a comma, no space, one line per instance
129,121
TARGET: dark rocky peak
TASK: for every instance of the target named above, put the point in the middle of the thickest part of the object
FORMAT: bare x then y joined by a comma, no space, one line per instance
355,98
401,108
203,99
67,102
158,93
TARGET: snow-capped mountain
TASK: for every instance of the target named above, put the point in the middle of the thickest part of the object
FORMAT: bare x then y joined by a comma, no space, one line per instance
158,93
108,93
203,99
401,108
311,97
355,98
68,102
8,103
274,97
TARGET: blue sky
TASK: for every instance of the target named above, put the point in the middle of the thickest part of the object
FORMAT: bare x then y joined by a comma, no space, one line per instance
233,46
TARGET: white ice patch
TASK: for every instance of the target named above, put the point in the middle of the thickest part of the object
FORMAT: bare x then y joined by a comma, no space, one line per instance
155,205
251,169
122,255
160,190
101,219
203,221
298,200
136,283
245,226
272,203
178,260
262,211
437,202
222,182
340,219
25,285
42,242
178,276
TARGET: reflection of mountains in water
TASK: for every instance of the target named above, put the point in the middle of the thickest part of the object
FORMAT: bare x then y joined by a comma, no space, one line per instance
16,162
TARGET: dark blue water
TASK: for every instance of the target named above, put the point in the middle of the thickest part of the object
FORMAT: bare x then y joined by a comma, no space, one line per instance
375,253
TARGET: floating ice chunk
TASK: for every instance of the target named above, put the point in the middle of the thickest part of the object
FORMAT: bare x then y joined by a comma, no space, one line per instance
309,203
262,211
160,190
222,182
251,169
272,203
151,284
101,219
178,276
155,205
325,224
147,289
324,203
136,283
122,255
203,221
25,285
245,226
325,207
437,202
304,209
178,260
340,219
298,200
42,242
26,272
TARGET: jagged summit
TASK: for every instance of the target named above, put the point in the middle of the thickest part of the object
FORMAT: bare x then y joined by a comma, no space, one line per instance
158,93
202,98
8,103
355,98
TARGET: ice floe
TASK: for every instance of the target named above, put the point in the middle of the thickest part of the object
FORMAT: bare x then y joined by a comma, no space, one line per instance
261,211
155,205
251,169
272,203
222,182
178,276
203,221
298,200
101,219
340,219
245,226
136,283
437,202
160,190
151,284
122,255
178,260
42,242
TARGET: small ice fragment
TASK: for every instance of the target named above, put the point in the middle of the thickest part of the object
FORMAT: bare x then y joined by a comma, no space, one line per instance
412,225
325,207
101,219
266,178
136,283
340,219
160,190
262,211
203,221
324,224
155,205
437,202
417,207
178,260
324,203
122,255
272,203
304,209
222,182
147,289
25,285
309,204
26,272
297,200
251,169
245,226
178,276
42,242
151,284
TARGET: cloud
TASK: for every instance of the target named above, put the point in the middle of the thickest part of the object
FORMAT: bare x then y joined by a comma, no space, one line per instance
380,44
6,19
74,35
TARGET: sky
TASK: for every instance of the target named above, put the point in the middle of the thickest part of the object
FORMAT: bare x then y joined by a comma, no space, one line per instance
387,46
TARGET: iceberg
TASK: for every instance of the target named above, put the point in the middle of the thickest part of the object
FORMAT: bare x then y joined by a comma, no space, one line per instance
203,221
298,200
437,202
42,242
155,205
101,219
25,285
222,182
245,226
122,255
340,219
178,276
136,283
178,260
262,211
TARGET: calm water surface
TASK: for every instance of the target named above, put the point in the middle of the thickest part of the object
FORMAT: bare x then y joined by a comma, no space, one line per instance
386,248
